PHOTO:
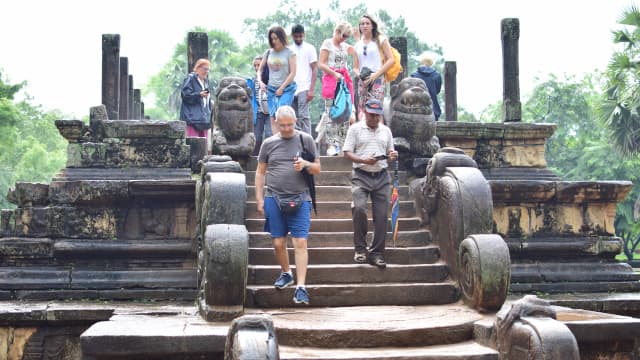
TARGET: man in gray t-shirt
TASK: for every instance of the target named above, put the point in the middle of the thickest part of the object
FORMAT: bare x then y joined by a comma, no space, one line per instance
279,162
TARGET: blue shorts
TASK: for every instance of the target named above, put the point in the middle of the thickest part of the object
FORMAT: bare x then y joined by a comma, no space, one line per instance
279,225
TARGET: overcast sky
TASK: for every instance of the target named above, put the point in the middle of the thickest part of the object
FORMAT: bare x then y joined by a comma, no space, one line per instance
55,45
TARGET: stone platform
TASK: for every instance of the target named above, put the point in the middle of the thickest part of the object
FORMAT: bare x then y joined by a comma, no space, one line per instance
118,330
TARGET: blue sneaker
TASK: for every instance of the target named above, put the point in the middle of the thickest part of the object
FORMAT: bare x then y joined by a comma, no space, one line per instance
283,281
300,296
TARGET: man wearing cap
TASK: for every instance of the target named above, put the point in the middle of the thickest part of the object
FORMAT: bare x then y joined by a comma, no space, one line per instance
368,145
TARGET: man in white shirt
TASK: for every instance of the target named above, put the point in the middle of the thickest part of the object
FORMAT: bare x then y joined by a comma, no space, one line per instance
306,74
368,145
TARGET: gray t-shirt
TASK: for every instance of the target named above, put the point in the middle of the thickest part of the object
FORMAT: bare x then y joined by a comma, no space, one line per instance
278,153
278,63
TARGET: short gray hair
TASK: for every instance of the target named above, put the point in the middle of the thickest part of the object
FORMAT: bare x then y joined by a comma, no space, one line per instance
286,111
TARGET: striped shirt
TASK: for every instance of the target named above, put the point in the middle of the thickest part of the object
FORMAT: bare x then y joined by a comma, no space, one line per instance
365,141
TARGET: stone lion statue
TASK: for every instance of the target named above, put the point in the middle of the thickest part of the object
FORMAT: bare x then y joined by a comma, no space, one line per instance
411,119
233,119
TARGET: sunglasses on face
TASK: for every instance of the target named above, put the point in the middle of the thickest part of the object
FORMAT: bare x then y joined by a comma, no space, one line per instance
364,50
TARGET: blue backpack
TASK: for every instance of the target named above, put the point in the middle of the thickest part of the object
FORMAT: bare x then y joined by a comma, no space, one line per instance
341,108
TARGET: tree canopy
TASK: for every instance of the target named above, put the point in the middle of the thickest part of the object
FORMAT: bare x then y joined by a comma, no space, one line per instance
621,107
230,59
31,149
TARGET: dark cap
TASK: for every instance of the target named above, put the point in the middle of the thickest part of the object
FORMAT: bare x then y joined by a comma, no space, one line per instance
374,106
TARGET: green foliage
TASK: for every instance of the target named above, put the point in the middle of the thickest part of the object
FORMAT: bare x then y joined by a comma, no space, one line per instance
31,149
621,108
228,59
570,104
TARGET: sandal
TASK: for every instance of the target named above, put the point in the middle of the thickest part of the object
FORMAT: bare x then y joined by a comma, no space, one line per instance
378,260
360,257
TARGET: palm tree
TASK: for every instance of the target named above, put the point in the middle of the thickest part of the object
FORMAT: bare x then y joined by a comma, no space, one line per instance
621,108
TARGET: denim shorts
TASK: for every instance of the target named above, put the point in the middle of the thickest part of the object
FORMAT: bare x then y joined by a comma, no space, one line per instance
279,225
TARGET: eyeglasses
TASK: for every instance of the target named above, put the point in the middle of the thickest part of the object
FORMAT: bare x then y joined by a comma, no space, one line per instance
364,50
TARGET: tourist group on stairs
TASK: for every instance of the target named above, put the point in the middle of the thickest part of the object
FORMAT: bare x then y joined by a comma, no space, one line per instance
286,151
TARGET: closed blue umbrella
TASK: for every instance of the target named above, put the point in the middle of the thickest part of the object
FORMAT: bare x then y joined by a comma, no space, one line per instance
395,205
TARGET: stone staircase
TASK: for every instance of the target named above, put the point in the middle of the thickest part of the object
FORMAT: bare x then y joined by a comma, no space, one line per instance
358,311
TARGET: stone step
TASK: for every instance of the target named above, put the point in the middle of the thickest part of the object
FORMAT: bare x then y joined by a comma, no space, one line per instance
266,296
339,225
344,255
576,287
560,272
354,273
333,177
155,336
341,328
468,350
138,294
150,331
333,193
80,248
344,239
334,210
12,278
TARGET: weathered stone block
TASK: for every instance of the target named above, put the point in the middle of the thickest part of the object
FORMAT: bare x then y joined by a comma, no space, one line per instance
29,194
524,156
113,154
73,130
528,131
564,248
32,221
90,223
143,129
88,191
592,218
26,248
593,191
163,156
93,223
197,152
7,222
86,155
522,191
13,341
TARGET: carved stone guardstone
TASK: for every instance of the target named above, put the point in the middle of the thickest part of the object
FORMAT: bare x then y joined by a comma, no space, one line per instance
224,281
233,120
251,337
485,271
456,203
528,329
413,124
223,239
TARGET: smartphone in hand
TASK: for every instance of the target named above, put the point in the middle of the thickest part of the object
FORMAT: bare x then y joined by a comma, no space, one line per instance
380,157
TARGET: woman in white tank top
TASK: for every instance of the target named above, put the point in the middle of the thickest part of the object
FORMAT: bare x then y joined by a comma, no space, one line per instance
372,48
